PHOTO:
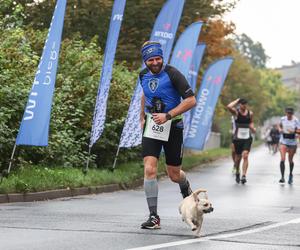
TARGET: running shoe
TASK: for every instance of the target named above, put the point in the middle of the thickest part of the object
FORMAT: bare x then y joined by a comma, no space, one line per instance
290,181
153,222
282,180
243,180
237,178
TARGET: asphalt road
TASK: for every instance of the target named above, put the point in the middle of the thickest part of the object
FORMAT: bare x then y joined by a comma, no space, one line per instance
262,214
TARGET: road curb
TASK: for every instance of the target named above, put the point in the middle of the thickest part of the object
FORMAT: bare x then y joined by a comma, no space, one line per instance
60,193
69,192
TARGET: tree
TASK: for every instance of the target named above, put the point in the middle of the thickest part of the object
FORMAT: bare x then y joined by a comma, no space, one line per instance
279,96
214,34
263,89
78,73
73,104
11,14
91,17
243,81
254,52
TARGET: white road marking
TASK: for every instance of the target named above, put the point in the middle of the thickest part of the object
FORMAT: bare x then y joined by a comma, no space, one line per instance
221,236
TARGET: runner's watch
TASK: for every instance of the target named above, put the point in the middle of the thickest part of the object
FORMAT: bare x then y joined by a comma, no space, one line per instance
168,116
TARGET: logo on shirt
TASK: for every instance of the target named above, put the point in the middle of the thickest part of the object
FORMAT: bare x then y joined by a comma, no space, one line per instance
153,84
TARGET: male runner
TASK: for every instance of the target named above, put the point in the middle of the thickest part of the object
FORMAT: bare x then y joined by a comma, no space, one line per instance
242,139
166,96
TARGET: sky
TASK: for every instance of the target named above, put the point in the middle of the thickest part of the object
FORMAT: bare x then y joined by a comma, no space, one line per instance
273,23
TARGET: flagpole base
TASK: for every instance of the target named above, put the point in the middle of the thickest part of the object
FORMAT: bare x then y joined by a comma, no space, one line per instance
86,168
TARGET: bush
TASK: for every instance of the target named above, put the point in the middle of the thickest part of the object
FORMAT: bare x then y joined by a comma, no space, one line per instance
73,103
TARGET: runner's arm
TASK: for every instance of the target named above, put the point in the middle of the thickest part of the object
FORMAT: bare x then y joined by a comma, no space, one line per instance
142,114
251,125
279,127
184,90
231,107
184,106
298,128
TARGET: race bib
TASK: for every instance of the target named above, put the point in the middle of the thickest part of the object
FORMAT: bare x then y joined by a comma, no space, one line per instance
155,131
243,133
288,129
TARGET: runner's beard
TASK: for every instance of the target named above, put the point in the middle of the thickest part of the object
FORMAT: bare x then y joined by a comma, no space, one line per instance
155,68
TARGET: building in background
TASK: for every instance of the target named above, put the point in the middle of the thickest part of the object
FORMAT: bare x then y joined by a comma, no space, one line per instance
291,76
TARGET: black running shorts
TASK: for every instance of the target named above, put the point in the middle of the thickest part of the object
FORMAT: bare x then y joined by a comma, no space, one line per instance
241,145
173,148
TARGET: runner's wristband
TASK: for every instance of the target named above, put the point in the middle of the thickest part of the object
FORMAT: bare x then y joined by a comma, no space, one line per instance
168,116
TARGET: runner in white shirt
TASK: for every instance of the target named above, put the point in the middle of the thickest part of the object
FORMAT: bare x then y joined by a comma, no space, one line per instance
289,127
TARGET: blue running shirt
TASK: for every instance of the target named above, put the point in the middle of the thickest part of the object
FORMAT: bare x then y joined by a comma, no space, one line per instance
169,85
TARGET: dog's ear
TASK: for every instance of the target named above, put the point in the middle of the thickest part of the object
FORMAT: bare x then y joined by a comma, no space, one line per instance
200,190
195,196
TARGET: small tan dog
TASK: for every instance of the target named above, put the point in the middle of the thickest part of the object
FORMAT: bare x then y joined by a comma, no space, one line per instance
192,209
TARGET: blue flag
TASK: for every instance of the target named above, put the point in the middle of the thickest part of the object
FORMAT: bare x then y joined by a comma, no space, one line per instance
164,31
34,127
166,25
185,48
182,56
106,74
207,97
192,79
195,65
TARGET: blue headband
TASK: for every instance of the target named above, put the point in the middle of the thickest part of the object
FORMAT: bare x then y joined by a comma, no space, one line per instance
151,50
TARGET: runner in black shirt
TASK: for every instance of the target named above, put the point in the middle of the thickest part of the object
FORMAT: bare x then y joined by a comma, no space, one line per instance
275,136
242,138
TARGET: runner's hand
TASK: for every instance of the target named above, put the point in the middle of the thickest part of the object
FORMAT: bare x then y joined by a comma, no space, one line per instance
159,118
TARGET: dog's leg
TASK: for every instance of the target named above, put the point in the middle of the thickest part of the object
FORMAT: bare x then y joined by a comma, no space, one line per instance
180,212
179,208
191,224
199,226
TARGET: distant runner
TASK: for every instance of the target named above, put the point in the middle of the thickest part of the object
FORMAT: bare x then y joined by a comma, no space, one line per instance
275,136
242,138
268,139
289,126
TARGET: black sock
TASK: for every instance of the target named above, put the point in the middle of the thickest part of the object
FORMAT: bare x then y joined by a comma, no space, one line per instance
282,167
291,167
185,188
237,169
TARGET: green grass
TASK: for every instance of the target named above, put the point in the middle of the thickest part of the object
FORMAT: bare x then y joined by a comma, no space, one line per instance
38,178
